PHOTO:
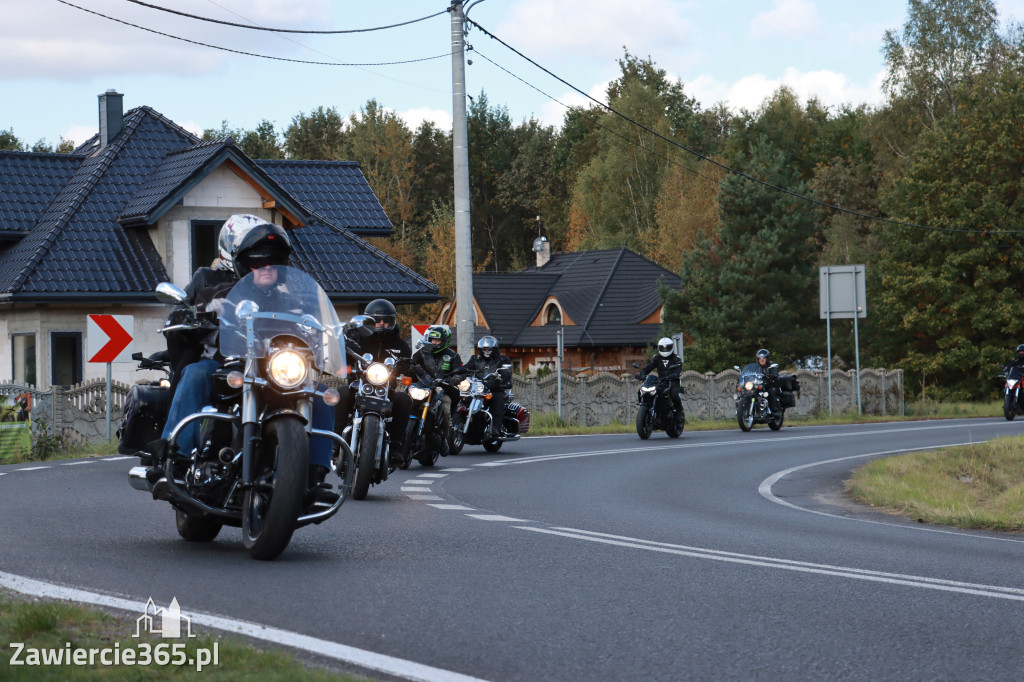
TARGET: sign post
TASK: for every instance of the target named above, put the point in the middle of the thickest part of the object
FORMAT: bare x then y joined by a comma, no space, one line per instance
109,339
843,296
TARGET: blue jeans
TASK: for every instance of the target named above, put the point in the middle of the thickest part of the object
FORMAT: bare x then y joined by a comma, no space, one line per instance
194,391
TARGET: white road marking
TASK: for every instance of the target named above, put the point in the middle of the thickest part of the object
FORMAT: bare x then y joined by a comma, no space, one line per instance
114,459
458,507
415,489
425,497
995,591
431,475
390,665
71,464
765,490
456,470
495,517
34,468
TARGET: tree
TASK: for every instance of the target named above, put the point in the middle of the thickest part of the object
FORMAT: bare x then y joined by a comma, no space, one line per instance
9,142
261,143
318,136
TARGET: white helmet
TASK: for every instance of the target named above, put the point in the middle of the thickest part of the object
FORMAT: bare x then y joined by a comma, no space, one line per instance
666,347
231,233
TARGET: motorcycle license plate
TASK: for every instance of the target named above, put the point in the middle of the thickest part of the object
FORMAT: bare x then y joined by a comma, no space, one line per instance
370,404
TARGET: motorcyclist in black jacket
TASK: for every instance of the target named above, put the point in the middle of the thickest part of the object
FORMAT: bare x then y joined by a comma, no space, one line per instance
668,366
1018,359
489,359
382,342
438,360
771,377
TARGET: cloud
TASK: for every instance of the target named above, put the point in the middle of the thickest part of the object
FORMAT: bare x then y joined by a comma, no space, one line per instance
553,113
830,88
414,117
593,28
49,40
788,19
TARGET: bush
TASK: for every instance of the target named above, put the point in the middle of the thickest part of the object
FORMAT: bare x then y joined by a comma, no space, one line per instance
46,445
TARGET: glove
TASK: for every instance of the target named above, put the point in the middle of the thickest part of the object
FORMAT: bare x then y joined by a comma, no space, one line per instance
639,376
216,306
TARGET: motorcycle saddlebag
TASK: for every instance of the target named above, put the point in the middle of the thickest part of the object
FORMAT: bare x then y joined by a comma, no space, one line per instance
789,383
145,411
522,414
788,399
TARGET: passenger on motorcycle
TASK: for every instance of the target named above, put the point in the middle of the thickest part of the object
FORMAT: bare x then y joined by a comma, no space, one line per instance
668,366
383,342
258,248
489,359
771,378
438,360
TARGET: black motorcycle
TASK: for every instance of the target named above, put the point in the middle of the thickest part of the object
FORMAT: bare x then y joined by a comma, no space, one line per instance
655,408
424,435
1012,406
752,405
471,417
252,467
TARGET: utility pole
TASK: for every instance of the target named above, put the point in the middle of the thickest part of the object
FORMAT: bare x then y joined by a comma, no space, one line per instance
465,315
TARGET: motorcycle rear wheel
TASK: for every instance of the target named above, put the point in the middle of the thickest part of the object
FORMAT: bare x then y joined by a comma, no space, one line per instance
1009,407
492,445
196,528
366,456
775,421
744,416
456,437
643,423
274,502
413,442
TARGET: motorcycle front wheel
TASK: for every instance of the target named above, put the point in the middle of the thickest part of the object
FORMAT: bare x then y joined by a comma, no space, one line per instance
745,416
643,422
456,436
366,456
775,421
413,442
1009,407
492,445
274,501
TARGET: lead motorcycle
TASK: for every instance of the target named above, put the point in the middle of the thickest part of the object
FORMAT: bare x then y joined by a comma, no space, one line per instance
655,408
1012,406
252,467
471,417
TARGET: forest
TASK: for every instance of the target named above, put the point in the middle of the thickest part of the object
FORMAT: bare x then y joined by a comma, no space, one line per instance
924,190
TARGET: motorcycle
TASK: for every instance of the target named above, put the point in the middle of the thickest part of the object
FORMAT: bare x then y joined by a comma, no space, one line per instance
656,410
471,418
1012,405
367,435
423,435
752,397
251,469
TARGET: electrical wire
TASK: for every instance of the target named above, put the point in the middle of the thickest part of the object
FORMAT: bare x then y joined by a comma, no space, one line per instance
252,54
729,169
284,30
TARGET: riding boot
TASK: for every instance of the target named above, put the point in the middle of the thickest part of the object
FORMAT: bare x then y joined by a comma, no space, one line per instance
319,491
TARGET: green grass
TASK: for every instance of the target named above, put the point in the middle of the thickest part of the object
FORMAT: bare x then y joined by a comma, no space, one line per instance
51,625
973,486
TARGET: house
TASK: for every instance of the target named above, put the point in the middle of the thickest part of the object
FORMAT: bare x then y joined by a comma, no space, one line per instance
605,303
142,202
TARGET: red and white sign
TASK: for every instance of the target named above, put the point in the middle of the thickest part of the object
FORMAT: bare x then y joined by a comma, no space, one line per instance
109,338
418,330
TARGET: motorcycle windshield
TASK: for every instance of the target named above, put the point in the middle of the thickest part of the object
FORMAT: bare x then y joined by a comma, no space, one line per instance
650,382
280,300
751,372
1015,372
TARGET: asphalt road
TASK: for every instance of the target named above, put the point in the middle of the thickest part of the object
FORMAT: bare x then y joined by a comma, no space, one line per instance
720,555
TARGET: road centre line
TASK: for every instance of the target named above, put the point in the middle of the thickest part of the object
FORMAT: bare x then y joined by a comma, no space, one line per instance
425,497
71,464
495,517
994,591
370,660
33,468
682,446
115,459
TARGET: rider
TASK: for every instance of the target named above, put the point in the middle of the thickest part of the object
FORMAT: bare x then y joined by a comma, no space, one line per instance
771,377
669,368
489,359
383,342
259,250
1018,359
438,360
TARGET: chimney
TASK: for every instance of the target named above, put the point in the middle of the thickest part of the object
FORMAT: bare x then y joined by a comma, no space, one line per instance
111,116
542,247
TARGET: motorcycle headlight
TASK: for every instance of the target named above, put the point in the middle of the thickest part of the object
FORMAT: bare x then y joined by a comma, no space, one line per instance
647,389
378,374
464,386
417,393
288,368
749,386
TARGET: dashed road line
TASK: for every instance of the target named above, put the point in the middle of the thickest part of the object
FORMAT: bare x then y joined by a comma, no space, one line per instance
425,497
71,464
34,468
432,475
115,459
415,489
495,517
457,507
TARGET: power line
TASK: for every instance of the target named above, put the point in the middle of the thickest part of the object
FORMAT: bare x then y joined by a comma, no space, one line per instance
284,30
728,168
251,54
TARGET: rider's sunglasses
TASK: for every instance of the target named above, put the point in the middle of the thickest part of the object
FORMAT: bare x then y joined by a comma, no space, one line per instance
255,261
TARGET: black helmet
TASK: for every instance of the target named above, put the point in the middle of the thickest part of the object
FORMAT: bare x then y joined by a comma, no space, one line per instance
486,346
666,347
437,332
763,353
382,310
264,244
1020,351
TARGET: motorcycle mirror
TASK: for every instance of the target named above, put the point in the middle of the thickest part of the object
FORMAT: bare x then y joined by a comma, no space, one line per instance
367,358
169,293
246,309
637,365
736,367
390,362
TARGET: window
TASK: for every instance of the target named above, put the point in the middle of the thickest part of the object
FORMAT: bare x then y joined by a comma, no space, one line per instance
204,242
23,351
65,358
553,315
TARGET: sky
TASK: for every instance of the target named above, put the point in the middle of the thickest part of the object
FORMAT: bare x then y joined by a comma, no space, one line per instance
56,59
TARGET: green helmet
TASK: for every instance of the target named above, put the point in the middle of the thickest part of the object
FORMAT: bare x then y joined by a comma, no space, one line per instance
437,333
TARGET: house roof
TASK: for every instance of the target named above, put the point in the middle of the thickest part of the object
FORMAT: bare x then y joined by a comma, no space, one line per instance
317,183
607,293
73,245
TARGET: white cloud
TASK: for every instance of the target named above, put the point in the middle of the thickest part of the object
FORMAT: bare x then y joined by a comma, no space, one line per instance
553,113
414,117
593,28
788,19
830,88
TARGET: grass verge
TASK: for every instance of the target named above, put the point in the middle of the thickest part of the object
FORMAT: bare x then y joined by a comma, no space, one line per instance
57,627
978,486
